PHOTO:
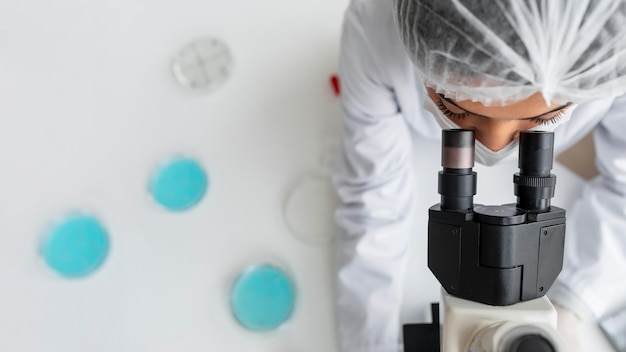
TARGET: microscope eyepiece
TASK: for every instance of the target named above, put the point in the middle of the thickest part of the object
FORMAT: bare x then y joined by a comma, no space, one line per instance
536,153
457,181
457,149
534,184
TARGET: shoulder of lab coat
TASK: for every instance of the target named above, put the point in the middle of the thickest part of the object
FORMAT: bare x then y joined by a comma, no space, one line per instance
374,177
595,256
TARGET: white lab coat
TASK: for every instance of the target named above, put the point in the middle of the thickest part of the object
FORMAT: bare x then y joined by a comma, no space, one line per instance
382,116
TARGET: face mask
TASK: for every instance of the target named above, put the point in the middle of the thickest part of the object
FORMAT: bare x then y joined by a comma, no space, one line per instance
484,155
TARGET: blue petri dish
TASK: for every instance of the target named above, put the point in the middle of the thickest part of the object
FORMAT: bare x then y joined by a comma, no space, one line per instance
180,184
77,246
262,298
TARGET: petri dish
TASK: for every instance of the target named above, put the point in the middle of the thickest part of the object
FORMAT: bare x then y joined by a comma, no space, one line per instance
203,64
180,184
262,298
309,208
77,246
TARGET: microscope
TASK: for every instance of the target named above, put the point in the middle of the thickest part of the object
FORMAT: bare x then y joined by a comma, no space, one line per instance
495,263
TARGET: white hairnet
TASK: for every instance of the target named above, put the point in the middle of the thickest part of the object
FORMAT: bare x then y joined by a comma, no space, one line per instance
500,52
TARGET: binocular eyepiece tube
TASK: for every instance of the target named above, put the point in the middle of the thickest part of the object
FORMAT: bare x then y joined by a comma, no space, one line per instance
457,181
533,184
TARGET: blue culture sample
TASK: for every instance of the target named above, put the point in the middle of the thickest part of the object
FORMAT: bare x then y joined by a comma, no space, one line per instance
180,184
77,246
262,298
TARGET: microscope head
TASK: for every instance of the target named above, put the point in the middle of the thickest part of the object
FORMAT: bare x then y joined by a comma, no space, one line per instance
496,254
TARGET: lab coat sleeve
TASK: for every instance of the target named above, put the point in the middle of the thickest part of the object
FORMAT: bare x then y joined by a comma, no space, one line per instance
375,184
595,252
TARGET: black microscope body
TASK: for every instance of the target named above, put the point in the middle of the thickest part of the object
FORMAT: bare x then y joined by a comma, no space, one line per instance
495,255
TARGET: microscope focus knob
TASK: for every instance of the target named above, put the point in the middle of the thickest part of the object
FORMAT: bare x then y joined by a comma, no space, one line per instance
531,343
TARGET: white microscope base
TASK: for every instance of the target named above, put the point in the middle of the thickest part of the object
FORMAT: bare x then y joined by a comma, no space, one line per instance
466,321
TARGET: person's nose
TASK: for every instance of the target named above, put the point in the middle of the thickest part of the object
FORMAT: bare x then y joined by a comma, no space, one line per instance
496,135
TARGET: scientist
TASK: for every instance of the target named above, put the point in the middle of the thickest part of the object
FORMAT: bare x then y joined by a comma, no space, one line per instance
411,67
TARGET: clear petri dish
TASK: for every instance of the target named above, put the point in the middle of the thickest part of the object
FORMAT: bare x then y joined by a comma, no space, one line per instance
203,64
309,209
